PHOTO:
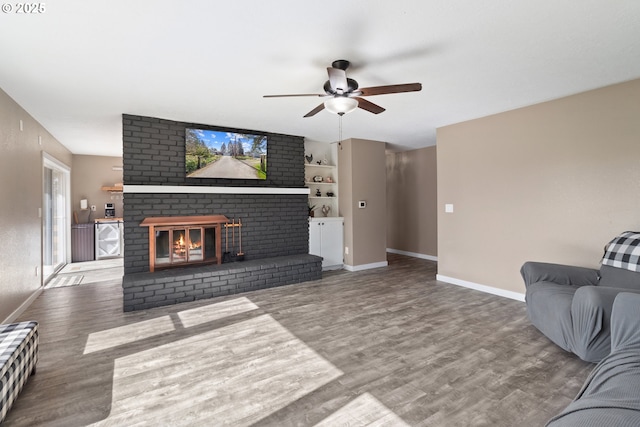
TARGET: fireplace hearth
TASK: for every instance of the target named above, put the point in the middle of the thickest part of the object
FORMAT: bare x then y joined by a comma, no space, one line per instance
179,241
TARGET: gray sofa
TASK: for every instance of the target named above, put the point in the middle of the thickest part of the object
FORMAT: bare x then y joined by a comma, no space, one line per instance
572,305
611,394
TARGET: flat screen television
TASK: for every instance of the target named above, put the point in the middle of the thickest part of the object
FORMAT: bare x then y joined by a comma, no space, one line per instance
219,154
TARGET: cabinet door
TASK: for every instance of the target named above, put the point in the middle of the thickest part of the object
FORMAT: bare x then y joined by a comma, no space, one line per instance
332,243
315,246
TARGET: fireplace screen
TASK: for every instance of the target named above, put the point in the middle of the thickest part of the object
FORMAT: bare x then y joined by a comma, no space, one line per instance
180,245
176,241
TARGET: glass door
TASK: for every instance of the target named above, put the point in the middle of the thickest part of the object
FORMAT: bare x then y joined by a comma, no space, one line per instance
55,222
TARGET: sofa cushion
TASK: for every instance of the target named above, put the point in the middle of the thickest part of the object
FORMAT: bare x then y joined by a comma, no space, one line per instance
614,277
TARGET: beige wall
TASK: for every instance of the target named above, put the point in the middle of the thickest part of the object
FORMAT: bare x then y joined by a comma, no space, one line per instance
412,213
551,182
21,177
362,172
90,174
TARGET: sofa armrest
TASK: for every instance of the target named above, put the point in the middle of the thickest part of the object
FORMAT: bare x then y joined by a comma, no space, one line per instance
625,334
591,312
533,272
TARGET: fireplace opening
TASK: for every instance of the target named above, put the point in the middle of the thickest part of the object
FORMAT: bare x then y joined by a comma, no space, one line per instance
180,241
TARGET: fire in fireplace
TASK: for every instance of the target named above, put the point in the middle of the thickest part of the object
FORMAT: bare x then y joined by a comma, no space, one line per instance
180,241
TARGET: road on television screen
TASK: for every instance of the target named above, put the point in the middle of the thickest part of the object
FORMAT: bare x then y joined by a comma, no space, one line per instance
226,167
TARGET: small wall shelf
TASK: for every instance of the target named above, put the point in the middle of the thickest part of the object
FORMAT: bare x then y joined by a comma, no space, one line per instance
315,165
112,189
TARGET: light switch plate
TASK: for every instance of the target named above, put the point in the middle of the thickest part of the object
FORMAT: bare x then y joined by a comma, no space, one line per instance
448,208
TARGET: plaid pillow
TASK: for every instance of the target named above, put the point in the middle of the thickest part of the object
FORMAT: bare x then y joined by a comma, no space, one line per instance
623,251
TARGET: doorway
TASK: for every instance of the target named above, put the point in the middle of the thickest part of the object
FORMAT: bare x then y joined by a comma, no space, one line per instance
55,216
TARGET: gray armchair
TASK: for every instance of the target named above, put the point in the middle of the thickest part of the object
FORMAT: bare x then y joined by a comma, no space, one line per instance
572,305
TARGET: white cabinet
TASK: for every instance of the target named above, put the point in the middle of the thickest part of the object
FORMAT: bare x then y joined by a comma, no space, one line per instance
109,239
326,240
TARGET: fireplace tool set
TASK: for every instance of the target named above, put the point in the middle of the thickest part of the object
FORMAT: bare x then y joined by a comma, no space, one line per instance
227,256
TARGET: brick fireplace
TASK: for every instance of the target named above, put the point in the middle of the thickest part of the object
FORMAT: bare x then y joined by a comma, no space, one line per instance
274,216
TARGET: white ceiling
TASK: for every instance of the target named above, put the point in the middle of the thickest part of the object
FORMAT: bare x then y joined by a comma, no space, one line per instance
81,64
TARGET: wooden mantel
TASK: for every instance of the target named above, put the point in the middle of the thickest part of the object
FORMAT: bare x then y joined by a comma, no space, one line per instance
184,221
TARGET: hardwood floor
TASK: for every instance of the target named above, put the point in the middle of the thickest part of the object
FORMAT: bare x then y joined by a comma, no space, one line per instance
389,346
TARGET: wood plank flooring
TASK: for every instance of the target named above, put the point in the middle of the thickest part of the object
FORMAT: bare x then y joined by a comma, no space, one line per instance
389,346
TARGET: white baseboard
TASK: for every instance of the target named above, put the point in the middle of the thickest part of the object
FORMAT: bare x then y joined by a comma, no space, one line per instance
18,311
413,254
482,288
366,266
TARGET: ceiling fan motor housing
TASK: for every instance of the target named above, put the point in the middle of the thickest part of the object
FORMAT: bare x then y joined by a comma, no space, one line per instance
352,86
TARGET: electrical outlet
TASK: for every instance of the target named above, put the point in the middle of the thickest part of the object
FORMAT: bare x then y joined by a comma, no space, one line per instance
346,250
93,208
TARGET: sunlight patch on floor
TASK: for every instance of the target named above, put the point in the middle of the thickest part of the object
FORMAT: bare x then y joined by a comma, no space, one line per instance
211,312
234,375
109,338
365,410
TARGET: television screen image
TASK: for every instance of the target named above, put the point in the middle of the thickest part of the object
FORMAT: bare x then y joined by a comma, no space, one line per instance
219,154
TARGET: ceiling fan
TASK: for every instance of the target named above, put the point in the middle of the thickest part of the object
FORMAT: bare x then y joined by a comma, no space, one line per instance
344,94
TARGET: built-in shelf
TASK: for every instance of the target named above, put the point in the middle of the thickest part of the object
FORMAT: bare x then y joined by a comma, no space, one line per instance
327,169
323,187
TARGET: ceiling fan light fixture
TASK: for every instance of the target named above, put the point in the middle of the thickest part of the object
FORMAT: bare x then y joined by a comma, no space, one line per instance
341,105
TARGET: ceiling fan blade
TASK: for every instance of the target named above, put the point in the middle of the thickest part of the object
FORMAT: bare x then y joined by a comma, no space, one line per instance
295,94
381,90
369,106
338,80
315,110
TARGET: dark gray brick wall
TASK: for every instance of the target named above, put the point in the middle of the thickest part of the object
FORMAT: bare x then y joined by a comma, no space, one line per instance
153,154
148,290
273,225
